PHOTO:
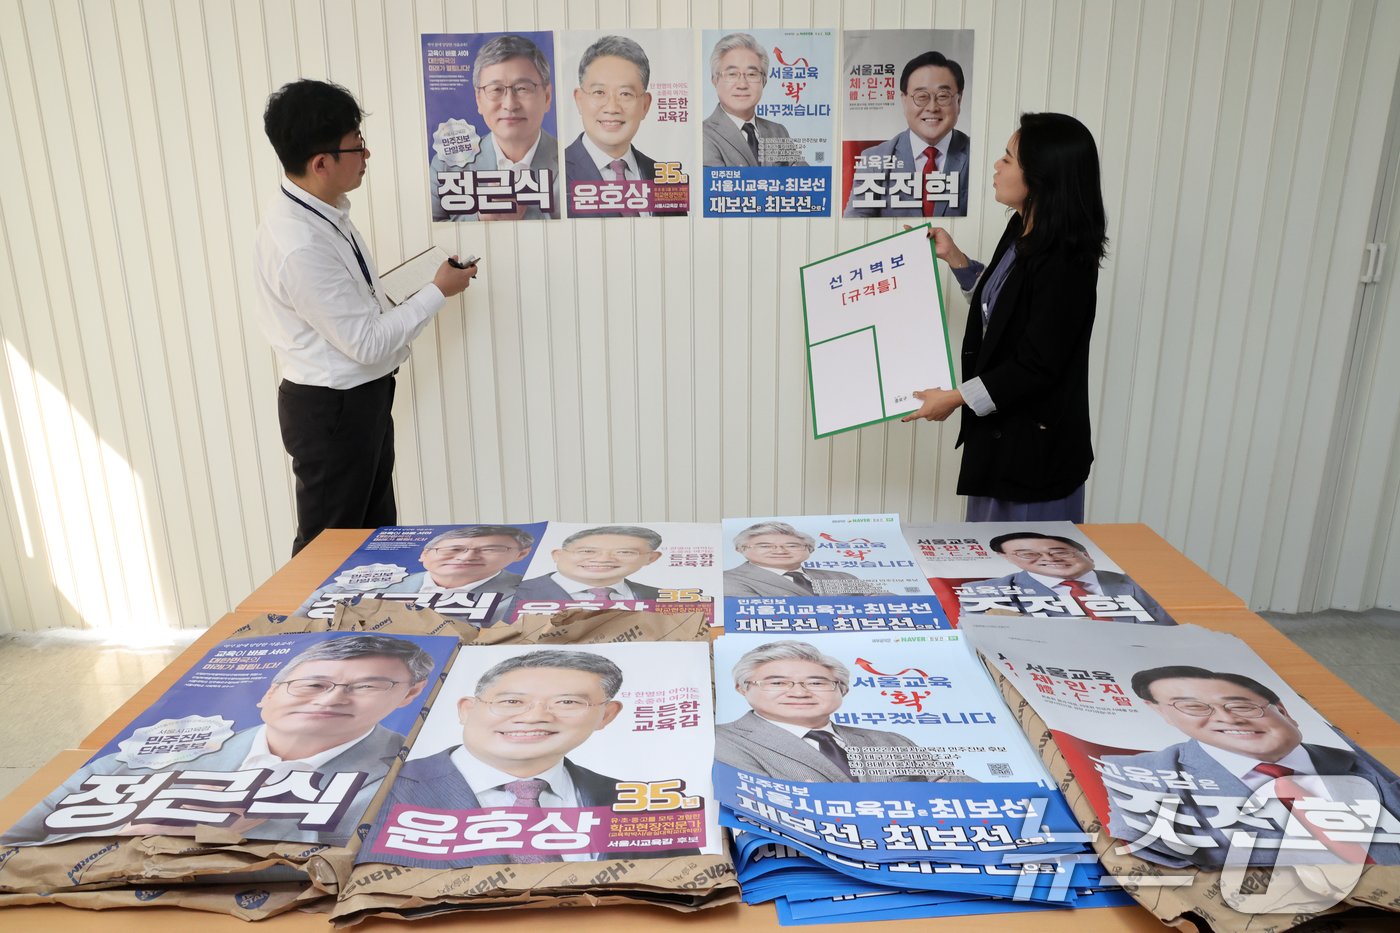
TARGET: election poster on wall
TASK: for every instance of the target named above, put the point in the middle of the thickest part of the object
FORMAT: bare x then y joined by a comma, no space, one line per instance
659,566
626,121
492,136
769,122
466,572
1038,569
568,753
876,332
284,737
1194,752
905,149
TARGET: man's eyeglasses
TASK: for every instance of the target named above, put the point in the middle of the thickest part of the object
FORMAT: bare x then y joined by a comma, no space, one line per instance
489,550
524,90
1053,552
751,75
941,98
560,707
588,553
315,686
782,684
362,149
1236,708
778,547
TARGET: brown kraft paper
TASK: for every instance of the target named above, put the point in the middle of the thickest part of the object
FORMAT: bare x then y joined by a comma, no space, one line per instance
101,872
1199,905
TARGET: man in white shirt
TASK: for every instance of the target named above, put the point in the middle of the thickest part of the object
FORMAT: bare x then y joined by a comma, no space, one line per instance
321,713
1179,806
793,689
1055,569
734,134
526,715
337,338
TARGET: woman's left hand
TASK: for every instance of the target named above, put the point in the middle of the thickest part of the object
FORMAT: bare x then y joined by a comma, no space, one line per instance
938,404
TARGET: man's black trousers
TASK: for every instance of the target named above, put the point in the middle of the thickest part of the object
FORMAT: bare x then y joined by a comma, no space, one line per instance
341,442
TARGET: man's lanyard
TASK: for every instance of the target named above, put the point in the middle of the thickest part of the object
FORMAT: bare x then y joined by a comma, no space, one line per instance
359,257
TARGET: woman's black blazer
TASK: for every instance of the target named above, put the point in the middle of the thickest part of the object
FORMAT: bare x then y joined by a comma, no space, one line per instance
1034,362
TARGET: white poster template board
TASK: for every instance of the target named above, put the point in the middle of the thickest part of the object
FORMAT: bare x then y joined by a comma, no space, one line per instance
876,332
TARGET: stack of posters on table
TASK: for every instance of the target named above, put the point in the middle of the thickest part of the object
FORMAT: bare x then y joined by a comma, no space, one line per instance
824,573
1046,570
488,573
241,789
880,775
1213,790
565,762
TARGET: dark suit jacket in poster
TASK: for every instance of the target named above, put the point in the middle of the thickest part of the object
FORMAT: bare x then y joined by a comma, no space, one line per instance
753,744
579,166
1195,811
373,755
1113,584
749,580
726,145
544,589
1034,362
954,164
434,783
546,157
503,582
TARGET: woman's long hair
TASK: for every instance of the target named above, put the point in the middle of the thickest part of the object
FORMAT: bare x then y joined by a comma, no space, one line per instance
1064,200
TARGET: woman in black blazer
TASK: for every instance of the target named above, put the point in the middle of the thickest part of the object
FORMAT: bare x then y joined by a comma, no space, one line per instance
1025,353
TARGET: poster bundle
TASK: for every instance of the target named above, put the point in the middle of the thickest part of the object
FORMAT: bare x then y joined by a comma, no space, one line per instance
485,573
1047,570
1221,792
823,573
882,774
796,575
285,768
554,774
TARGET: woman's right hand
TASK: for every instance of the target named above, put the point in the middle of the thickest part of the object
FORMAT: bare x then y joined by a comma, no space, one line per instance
944,247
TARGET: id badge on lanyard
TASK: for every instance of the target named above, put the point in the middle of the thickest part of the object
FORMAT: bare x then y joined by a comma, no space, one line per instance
359,257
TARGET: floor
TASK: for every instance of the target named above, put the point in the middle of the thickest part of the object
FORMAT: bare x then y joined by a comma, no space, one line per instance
57,687
1362,648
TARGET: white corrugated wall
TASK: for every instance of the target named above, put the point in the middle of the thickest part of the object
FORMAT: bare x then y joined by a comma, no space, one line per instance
652,369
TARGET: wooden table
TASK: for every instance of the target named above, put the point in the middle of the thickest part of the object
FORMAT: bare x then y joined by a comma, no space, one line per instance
288,588
1161,569
1186,591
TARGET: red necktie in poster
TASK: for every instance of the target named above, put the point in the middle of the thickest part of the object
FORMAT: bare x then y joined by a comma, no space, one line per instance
1289,792
930,166
1080,592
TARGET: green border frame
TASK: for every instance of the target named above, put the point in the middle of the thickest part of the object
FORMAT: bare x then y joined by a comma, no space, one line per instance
807,333
879,377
